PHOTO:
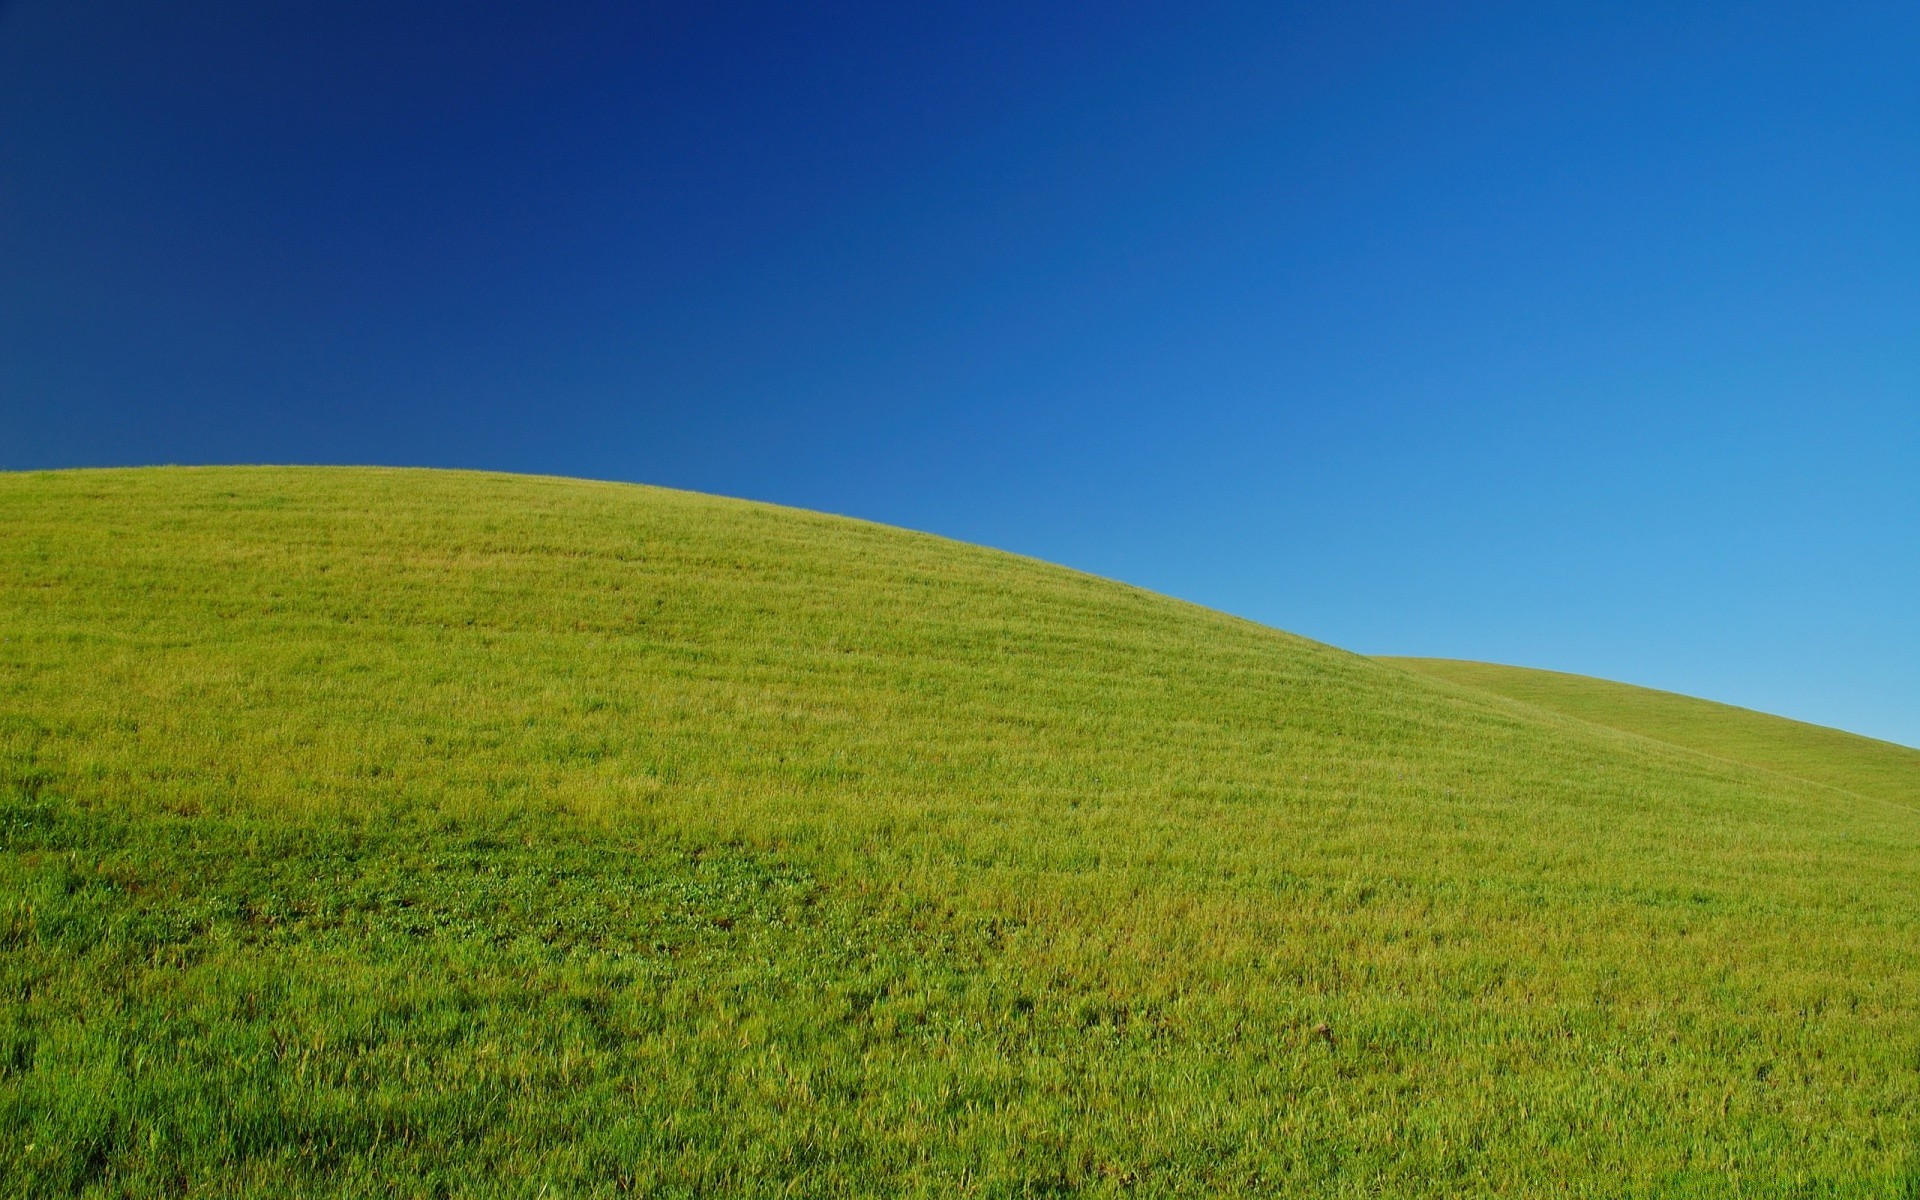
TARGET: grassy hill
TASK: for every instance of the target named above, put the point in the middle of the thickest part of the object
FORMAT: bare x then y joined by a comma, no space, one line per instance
412,833
1864,766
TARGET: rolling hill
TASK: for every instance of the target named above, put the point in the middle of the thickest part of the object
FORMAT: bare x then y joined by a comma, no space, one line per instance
1812,753
439,833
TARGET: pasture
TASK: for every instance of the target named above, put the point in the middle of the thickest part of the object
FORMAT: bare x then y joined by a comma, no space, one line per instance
407,833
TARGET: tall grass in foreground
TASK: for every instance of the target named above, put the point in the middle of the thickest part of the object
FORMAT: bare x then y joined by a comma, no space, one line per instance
409,833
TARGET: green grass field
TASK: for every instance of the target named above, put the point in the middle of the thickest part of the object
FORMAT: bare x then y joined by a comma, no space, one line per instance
399,833
1863,766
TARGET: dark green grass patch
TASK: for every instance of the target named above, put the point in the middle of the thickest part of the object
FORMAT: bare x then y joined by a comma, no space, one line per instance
226,1005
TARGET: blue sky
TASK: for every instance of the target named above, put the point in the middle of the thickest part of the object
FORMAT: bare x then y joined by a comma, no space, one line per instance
1580,336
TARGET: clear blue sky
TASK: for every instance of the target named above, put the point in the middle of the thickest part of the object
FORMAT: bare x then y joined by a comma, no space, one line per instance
1582,336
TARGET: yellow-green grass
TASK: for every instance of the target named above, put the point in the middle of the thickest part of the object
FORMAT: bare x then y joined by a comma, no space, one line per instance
417,833
1863,766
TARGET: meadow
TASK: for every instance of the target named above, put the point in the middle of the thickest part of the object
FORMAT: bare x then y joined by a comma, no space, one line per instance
1863,766
405,833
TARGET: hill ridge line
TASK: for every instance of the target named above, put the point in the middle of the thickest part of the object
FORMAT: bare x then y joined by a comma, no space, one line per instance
1673,745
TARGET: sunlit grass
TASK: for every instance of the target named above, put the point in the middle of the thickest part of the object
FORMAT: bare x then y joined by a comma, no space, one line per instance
411,833
1864,766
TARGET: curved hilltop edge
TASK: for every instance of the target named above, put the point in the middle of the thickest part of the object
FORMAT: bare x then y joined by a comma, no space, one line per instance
496,828
1862,765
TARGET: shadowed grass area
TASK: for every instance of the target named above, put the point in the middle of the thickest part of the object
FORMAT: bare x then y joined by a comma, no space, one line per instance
1864,766
428,833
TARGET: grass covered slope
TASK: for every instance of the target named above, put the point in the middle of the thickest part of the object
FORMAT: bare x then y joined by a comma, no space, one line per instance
1864,766
422,833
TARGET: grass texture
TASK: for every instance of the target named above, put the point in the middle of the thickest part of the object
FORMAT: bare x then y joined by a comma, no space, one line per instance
399,833
1864,766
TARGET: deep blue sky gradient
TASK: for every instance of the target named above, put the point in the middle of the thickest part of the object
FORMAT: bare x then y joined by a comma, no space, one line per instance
1578,336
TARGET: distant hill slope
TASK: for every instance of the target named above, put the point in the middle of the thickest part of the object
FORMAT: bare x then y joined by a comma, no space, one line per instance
1869,767
408,833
